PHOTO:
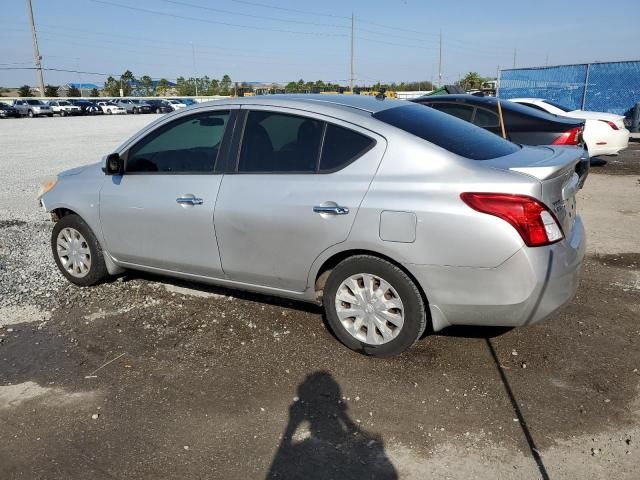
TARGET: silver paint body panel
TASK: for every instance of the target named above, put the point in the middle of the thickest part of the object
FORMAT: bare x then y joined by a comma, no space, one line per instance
258,232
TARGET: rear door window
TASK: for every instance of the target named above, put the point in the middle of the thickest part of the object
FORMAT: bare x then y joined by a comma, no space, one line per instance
277,142
485,119
341,147
448,132
463,112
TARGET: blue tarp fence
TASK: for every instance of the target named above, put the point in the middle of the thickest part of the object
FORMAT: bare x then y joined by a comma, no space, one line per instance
604,87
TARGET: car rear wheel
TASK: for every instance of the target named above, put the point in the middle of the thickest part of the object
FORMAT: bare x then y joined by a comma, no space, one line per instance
77,252
135,110
373,306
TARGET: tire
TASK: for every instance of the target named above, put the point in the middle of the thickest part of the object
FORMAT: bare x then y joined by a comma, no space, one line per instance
65,228
411,306
109,112
158,110
135,111
63,113
30,114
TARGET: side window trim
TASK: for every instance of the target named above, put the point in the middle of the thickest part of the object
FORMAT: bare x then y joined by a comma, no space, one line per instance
226,138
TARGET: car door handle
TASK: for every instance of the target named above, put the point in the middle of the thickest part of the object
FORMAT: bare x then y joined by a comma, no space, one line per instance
189,200
332,210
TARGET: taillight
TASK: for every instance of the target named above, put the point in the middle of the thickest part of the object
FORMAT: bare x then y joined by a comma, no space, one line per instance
570,137
531,218
611,124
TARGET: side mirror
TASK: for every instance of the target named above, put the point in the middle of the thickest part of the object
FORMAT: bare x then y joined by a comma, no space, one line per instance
114,165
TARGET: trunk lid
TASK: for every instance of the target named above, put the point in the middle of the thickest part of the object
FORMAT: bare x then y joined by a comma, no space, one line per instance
618,120
562,171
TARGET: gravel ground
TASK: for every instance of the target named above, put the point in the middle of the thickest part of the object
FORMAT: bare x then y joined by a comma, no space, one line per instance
145,377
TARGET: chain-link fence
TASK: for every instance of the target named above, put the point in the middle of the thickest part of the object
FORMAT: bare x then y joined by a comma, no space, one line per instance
604,87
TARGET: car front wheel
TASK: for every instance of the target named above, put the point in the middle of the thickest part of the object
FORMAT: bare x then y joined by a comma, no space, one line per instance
373,306
77,252
30,114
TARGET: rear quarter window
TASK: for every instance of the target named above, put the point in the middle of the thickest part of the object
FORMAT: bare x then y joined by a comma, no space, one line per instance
448,132
341,147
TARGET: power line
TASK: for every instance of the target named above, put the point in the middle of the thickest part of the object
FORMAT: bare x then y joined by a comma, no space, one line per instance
227,24
294,10
250,15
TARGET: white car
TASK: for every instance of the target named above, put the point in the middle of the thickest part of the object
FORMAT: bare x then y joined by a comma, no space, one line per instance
64,108
176,104
111,108
604,133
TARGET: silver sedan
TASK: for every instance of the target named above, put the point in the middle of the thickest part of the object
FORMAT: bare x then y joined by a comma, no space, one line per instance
396,217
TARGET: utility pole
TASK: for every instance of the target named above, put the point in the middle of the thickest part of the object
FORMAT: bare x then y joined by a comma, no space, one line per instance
440,63
515,52
36,51
351,75
195,80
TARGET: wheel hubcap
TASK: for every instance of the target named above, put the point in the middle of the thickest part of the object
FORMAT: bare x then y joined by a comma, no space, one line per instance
369,308
73,252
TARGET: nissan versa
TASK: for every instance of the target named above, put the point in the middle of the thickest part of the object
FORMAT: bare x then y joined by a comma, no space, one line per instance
396,217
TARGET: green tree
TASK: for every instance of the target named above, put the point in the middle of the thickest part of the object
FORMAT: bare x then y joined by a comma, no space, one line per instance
112,87
163,86
186,88
470,81
214,87
94,93
25,91
146,86
126,79
226,85
73,92
50,91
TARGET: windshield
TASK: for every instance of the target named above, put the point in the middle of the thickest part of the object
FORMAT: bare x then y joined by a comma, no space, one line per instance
34,102
64,103
448,132
557,105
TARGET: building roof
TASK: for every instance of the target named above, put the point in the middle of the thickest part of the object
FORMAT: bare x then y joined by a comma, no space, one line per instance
83,86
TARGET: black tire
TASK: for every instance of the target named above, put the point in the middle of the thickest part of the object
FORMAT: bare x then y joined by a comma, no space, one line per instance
63,113
109,112
158,110
98,269
30,114
135,111
415,314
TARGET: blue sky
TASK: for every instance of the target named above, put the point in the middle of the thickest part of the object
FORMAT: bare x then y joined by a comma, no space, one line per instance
283,40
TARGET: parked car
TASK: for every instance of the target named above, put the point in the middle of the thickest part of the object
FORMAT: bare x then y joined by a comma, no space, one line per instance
111,108
159,106
87,107
373,208
7,111
32,108
522,124
176,104
604,133
133,106
64,108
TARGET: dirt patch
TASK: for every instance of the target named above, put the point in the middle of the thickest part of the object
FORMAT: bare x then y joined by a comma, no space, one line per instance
626,163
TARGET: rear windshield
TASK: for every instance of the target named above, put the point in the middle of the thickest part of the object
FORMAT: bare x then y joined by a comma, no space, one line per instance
557,105
448,132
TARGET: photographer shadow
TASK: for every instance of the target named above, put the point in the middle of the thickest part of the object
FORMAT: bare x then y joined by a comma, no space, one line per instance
322,442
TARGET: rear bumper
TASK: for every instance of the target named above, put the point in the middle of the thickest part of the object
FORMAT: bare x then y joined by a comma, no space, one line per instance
525,289
616,141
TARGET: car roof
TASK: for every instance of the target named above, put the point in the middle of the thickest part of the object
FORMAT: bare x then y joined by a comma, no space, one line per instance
311,101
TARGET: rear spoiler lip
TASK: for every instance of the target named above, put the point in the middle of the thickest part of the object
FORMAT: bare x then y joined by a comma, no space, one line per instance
551,167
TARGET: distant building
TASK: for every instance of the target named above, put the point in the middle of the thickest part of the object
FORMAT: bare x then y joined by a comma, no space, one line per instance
85,89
